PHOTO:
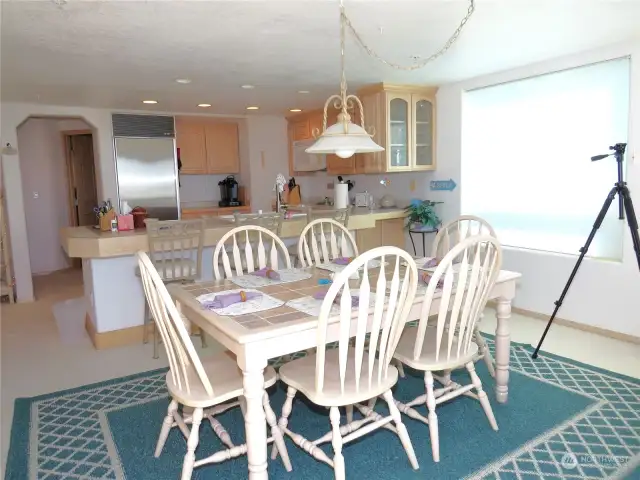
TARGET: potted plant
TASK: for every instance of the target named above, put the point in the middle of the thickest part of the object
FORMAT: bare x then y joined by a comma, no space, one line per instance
421,215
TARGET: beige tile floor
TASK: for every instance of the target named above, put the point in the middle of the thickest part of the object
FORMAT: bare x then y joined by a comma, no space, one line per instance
34,361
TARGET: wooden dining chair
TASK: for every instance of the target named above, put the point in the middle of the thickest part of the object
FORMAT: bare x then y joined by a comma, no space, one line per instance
340,215
450,235
449,344
323,240
237,246
351,374
175,249
209,387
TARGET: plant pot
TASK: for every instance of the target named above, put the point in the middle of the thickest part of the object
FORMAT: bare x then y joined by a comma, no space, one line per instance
420,227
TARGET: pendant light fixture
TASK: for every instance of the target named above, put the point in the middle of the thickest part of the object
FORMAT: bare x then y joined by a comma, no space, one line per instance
344,138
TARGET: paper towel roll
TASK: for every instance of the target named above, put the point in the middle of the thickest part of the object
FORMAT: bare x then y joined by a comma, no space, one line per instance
341,195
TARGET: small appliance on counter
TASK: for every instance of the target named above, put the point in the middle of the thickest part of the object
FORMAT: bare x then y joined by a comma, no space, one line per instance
228,192
364,199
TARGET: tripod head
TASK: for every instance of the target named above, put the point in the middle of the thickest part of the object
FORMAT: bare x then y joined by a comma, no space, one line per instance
618,149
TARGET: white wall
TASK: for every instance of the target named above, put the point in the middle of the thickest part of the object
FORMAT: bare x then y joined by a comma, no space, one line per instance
268,142
45,192
604,294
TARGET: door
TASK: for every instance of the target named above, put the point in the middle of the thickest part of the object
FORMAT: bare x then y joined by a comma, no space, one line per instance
190,141
423,133
82,179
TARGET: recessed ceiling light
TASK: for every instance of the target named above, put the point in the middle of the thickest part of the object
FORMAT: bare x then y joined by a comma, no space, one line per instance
204,105
252,108
149,101
183,80
303,91
248,87
295,110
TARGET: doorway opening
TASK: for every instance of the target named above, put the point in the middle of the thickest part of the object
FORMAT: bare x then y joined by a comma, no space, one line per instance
58,170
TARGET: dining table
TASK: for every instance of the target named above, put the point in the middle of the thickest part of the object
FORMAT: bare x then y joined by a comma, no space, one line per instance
255,338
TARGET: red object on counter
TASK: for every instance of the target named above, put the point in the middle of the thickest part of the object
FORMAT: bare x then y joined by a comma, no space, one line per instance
125,222
139,216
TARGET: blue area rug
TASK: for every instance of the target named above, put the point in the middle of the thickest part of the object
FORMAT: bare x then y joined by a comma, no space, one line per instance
564,420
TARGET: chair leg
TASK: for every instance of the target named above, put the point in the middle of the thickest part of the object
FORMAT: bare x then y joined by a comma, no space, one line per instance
349,409
336,441
482,396
203,338
156,341
433,418
278,439
402,429
483,351
192,444
145,330
284,419
166,427
372,403
398,364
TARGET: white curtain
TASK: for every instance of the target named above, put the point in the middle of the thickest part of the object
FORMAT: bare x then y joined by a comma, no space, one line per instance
526,148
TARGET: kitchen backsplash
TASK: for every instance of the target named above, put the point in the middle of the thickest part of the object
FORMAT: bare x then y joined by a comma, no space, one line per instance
201,188
399,186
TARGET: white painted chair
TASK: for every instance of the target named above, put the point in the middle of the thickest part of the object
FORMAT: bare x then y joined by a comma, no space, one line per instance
323,240
242,242
209,387
449,345
175,248
340,215
452,234
350,374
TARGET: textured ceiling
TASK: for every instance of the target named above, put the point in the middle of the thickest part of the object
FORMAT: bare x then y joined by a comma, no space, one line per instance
115,54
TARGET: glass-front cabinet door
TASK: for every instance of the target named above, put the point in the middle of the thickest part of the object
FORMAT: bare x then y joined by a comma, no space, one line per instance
399,131
423,133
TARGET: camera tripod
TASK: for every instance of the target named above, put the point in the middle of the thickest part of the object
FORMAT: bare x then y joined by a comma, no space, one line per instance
625,205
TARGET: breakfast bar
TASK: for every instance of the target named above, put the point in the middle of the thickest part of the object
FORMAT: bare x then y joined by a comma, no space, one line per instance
113,292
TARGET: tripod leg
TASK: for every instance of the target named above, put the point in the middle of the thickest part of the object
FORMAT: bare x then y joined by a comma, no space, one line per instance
583,252
632,221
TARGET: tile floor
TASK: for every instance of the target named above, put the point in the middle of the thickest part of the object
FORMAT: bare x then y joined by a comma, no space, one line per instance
34,361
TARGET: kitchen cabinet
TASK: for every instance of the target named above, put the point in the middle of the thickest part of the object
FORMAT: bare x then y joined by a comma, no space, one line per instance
403,119
191,142
207,146
386,232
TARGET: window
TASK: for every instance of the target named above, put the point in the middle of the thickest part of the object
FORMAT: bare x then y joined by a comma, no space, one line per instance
526,149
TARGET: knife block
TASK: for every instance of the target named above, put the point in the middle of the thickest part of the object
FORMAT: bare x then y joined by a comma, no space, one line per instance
293,196
105,220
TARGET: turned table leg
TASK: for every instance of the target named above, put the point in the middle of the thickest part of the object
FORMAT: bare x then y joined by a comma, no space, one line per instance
503,348
254,419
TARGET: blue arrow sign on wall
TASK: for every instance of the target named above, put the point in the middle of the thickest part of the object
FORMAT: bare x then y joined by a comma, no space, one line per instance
447,185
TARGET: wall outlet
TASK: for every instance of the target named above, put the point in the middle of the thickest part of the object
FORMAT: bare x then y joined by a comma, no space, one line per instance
330,186
36,195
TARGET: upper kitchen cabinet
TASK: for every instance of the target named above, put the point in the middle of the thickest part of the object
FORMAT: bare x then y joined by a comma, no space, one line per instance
190,140
403,121
207,146
221,140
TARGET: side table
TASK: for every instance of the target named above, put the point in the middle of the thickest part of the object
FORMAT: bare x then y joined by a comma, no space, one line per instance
423,231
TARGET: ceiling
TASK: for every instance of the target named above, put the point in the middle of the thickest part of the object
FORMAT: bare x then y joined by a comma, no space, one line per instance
114,54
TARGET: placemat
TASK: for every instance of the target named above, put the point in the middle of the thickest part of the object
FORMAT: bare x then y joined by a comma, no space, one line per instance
334,267
311,306
260,304
287,275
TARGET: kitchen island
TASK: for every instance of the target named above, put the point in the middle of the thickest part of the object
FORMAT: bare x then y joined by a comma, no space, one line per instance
113,292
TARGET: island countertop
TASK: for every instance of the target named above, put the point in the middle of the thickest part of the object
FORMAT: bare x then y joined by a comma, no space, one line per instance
89,242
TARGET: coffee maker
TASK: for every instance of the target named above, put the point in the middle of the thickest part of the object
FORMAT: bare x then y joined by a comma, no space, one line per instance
228,192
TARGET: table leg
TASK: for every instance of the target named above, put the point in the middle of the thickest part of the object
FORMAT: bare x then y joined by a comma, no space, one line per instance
503,348
424,248
254,419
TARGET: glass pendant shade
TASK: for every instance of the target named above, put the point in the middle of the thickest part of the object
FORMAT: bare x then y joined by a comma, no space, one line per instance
344,142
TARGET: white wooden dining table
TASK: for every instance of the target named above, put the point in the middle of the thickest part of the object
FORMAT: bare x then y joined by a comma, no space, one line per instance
258,337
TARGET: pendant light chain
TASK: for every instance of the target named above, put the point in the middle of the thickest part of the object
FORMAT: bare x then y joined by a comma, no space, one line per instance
416,65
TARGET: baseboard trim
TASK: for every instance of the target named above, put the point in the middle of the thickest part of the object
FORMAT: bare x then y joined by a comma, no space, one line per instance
578,326
114,338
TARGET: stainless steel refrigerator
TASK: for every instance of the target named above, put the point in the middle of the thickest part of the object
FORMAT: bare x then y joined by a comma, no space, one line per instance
146,164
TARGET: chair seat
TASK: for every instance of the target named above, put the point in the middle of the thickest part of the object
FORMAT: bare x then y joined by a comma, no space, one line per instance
226,381
301,375
427,360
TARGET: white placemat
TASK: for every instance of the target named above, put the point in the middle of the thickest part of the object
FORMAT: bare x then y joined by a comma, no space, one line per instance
260,304
311,306
286,276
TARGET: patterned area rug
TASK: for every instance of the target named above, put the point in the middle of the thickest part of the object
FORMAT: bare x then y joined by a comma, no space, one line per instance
564,420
